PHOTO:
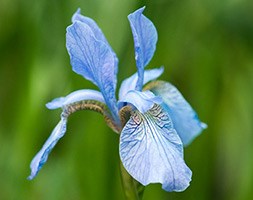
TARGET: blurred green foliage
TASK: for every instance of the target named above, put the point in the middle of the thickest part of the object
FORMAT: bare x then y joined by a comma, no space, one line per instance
206,47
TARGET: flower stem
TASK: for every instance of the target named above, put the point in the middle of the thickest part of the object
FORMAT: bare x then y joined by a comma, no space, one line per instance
133,190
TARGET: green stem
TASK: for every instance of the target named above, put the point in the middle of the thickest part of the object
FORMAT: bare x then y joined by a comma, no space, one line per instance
133,190
140,189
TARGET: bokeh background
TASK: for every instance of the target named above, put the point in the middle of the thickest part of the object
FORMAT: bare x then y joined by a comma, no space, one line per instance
206,47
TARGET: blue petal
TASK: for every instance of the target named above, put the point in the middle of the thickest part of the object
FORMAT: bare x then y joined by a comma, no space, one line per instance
143,101
95,29
94,60
145,38
75,96
129,83
41,157
92,25
184,118
152,152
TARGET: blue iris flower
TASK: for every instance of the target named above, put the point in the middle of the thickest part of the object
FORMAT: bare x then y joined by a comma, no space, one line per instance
154,123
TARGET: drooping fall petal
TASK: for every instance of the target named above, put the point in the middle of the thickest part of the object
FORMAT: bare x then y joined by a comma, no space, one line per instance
152,152
185,119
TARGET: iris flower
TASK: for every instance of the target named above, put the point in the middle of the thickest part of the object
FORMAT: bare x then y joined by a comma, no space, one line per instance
154,122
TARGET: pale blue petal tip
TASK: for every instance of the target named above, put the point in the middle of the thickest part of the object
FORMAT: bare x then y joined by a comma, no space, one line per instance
137,12
55,103
75,16
203,125
78,10
41,157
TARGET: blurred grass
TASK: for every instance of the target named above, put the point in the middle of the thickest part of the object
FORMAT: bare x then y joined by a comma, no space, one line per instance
207,50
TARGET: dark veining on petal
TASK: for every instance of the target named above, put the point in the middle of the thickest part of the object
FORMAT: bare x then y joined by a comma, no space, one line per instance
151,150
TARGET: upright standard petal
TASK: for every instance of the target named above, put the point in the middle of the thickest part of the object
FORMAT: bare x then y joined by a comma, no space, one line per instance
145,38
143,101
91,23
41,157
152,152
94,60
130,83
75,96
184,118
95,29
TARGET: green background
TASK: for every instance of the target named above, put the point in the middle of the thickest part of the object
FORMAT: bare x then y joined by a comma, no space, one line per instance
206,47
